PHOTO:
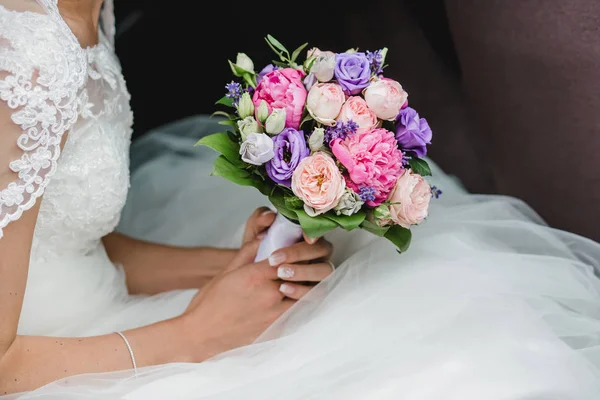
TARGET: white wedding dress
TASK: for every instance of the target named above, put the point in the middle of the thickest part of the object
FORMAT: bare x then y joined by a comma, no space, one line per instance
489,302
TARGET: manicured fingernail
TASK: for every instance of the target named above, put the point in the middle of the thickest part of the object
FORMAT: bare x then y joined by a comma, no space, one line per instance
276,259
311,240
286,289
261,235
285,272
267,213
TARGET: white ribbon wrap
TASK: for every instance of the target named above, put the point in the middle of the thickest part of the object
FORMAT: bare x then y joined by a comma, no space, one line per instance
282,233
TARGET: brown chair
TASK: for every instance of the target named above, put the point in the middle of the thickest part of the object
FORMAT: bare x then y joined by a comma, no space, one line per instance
521,114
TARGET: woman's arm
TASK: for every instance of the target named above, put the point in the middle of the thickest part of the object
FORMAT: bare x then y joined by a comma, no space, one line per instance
152,268
33,361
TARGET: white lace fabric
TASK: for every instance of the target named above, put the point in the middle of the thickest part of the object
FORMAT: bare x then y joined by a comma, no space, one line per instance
50,87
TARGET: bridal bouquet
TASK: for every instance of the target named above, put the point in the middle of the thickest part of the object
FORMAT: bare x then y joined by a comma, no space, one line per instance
330,140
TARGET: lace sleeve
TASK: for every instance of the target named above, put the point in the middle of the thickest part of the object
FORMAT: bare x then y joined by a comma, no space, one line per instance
39,82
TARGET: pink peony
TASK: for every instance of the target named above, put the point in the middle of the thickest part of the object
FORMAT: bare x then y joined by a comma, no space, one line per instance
385,97
356,109
325,101
318,182
373,161
283,88
409,200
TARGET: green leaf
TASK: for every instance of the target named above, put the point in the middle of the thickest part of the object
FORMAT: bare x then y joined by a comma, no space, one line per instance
225,169
221,143
237,175
315,227
306,119
237,70
293,202
226,101
401,237
280,64
250,79
229,122
296,52
278,201
281,56
374,228
308,67
223,114
348,222
272,41
419,166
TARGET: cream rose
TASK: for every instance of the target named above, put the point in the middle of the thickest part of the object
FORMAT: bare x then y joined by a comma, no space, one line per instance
318,182
357,110
386,98
409,200
325,101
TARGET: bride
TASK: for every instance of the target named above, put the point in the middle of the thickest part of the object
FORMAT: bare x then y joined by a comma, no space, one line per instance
488,303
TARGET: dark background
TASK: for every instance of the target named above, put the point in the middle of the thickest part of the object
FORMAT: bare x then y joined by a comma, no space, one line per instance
174,54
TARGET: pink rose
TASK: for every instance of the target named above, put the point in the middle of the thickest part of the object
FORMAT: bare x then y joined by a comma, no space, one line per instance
373,161
318,182
356,109
325,101
283,88
386,97
410,200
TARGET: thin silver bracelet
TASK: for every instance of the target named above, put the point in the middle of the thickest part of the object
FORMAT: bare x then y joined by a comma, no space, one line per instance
135,373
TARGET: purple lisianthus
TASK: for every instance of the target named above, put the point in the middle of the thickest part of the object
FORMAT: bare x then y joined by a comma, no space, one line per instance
412,132
352,71
310,81
290,148
264,71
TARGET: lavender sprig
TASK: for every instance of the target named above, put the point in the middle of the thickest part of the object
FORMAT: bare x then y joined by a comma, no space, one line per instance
366,193
436,192
234,92
376,60
340,130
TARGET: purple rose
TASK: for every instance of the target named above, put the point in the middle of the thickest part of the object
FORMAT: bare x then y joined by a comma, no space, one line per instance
290,148
352,71
264,71
413,133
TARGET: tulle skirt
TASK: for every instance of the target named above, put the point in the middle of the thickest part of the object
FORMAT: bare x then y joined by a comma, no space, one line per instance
488,303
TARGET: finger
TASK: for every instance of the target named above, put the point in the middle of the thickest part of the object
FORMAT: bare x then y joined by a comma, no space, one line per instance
304,273
265,271
245,255
300,252
294,291
260,220
310,240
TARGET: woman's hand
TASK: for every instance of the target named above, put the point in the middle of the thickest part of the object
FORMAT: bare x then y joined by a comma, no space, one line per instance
241,303
301,266
258,223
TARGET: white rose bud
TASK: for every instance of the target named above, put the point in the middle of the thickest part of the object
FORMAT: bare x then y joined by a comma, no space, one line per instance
315,141
245,106
324,66
244,62
275,122
383,55
382,212
257,149
263,112
349,204
247,126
